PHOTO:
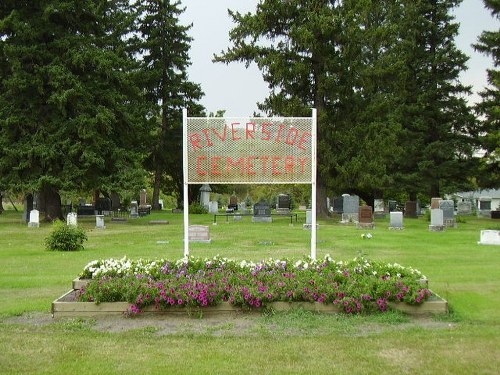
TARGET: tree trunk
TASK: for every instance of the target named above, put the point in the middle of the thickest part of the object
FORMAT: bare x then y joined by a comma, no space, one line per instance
1,203
321,209
156,188
50,203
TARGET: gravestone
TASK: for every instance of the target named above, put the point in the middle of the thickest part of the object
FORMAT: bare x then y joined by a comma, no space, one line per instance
435,202
448,208
392,205
233,203
411,209
262,212
213,207
72,219
199,233
378,208
365,217
308,224
134,210
338,205
396,220
115,201
99,222
490,237
205,191
350,206
484,207
144,208
103,206
143,198
437,222
464,208
284,204
34,219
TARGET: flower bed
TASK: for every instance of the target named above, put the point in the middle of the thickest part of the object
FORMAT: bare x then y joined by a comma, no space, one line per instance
354,287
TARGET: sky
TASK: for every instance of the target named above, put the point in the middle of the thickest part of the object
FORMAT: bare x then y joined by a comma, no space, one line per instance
237,89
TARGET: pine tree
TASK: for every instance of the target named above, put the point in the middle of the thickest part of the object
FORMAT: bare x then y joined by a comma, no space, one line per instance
489,107
438,127
70,116
164,45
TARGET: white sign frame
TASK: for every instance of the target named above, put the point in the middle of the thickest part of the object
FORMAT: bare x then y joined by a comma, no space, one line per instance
296,139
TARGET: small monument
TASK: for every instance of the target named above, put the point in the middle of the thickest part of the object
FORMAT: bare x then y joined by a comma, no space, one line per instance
396,220
205,191
308,224
199,233
99,222
233,203
213,207
144,208
411,209
284,204
448,208
490,237
34,219
134,210
464,208
378,208
72,219
262,212
350,208
437,222
435,202
338,205
365,217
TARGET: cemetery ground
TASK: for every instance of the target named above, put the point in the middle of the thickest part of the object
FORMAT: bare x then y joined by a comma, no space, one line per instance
465,341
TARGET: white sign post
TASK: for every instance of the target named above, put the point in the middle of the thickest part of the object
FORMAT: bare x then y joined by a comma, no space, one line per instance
249,150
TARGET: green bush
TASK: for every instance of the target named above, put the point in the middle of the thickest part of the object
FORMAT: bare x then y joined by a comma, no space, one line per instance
65,238
197,208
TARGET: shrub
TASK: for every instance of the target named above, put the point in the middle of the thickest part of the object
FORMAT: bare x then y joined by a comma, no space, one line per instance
197,208
65,238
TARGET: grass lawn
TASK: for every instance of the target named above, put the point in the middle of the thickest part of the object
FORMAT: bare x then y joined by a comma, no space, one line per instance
467,341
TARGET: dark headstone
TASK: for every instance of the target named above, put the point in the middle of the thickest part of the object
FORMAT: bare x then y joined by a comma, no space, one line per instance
233,203
411,209
338,205
365,217
262,212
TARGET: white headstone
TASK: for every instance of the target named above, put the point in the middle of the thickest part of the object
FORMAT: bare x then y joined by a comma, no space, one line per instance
437,222
134,209
396,220
213,207
490,237
34,219
71,219
99,222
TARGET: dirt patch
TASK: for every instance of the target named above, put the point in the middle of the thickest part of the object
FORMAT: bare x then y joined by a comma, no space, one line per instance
238,324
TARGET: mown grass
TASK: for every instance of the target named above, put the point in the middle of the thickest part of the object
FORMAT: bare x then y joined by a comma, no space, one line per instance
464,273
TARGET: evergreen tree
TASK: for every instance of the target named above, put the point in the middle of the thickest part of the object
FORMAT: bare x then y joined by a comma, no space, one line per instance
489,107
334,56
70,116
164,52
439,129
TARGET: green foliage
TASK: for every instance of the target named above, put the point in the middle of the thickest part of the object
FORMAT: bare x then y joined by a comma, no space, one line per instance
65,237
197,209
488,107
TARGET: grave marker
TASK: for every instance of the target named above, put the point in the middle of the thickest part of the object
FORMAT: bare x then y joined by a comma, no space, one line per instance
350,208
448,208
199,233
72,219
411,209
437,223
34,219
365,217
490,237
396,220
262,212
99,222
